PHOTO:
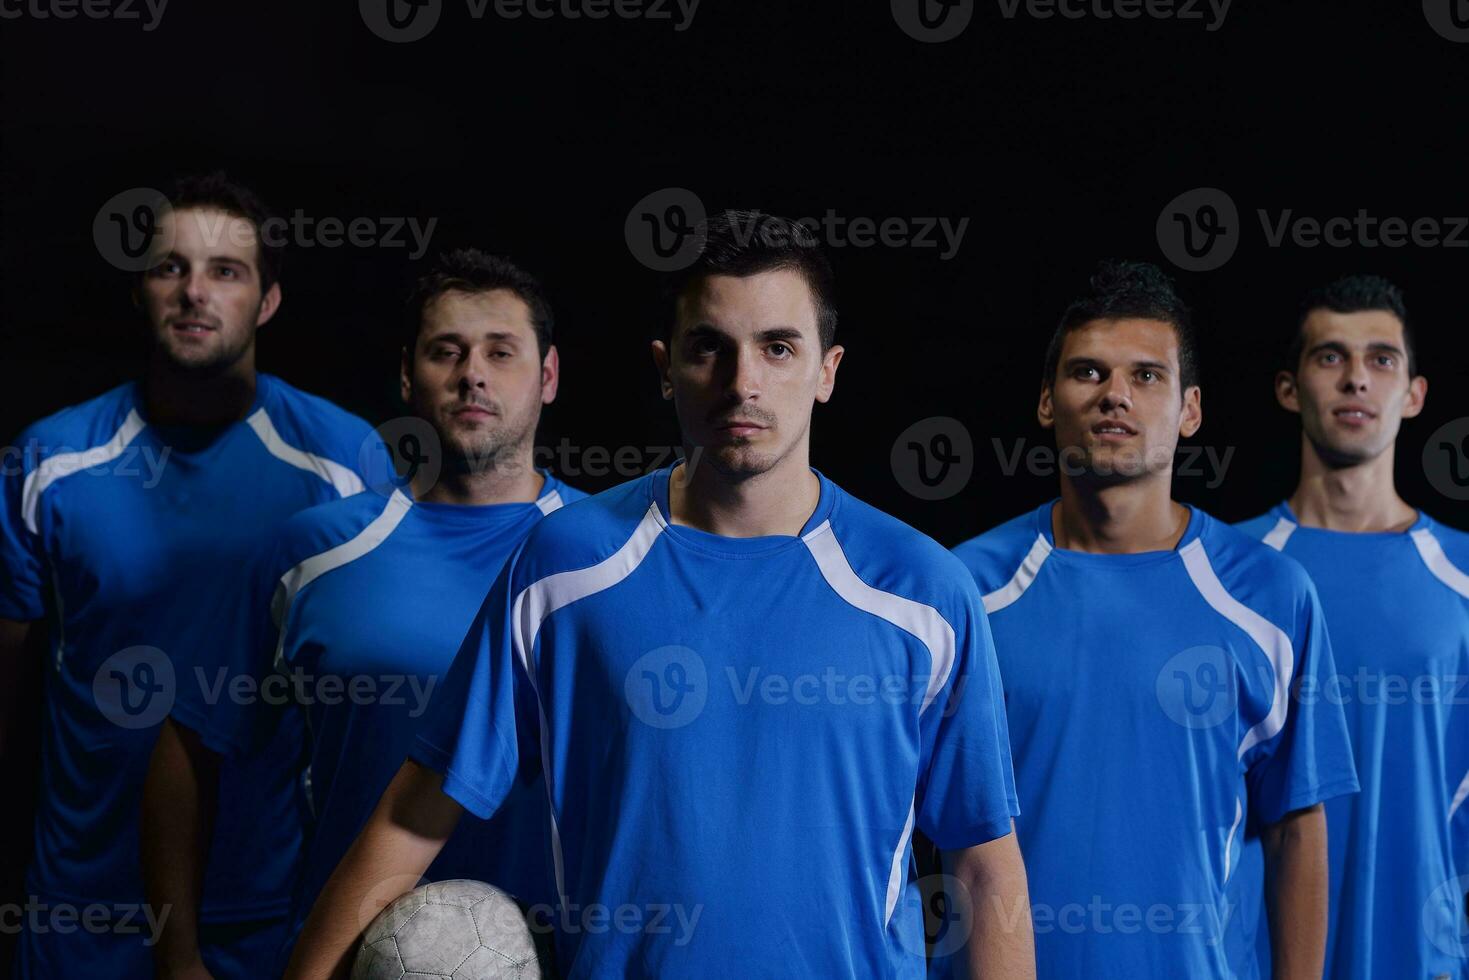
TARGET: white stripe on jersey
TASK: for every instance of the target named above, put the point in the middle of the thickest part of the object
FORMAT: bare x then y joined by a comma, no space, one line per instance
65,464
1020,581
1280,534
340,477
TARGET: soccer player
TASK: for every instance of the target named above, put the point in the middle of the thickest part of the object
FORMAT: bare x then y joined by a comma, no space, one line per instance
1395,587
744,686
121,533
1147,652
374,593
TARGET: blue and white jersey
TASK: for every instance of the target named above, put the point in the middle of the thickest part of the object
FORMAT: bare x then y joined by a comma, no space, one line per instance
738,735
1150,714
1398,604
360,606
128,538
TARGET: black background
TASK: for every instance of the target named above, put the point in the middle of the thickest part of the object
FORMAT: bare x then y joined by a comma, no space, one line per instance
1060,140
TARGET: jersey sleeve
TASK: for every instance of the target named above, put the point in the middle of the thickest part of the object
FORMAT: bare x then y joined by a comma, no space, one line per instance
966,792
484,724
1310,760
230,694
22,560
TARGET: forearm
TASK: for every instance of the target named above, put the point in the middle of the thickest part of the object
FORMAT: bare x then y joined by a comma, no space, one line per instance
405,833
179,798
1296,893
1001,942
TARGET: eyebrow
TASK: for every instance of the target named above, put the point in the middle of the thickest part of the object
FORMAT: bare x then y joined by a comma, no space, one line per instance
1341,348
1075,362
771,333
454,335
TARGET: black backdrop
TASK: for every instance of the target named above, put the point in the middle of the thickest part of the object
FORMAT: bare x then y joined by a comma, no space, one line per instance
1060,140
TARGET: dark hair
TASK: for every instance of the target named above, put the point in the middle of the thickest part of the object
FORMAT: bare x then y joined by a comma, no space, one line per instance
1128,290
218,192
1352,294
469,270
745,243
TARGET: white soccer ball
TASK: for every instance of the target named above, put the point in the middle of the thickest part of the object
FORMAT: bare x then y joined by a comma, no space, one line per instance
455,930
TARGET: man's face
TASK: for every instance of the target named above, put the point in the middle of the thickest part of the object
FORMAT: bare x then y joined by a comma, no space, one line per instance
202,297
1351,387
477,376
744,366
1117,403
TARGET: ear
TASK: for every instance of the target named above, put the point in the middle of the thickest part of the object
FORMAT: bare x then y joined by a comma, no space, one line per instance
829,362
1193,411
1045,411
1417,395
269,303
1286,392
405,378
550,375
661,361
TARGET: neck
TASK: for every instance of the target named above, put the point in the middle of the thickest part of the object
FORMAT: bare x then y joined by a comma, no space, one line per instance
1360,497
192,398
1120,518
512,480
778,501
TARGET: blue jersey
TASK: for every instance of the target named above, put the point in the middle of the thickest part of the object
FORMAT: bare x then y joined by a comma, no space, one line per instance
739,735
360,606
1398,603
1149,708
128,538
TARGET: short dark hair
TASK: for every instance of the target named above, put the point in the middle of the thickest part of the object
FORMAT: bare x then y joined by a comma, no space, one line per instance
220,193
745,243
1128,291
1352,294
469,270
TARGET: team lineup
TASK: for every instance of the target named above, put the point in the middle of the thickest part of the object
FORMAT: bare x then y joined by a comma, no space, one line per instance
725,719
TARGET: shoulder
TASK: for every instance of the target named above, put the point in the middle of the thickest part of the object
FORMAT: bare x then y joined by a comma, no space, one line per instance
585,531
87,425
556,494
311,422
324,527
1446,552
1251,573
993,557
1260,527
887,555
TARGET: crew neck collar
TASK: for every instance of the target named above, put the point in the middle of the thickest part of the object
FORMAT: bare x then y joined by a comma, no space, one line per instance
723,545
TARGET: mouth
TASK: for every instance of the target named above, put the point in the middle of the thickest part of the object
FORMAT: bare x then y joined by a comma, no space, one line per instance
473,412
1353,415
740,428
192,327
1114,429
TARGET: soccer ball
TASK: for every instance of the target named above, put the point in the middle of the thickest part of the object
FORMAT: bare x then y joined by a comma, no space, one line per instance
455,930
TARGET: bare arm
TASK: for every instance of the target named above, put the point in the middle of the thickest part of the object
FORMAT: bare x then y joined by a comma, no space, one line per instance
405,833
179,802
1296,892
1001,944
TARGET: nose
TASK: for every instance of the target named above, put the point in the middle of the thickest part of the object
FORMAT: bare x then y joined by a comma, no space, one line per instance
1117,393
1354,375
474,374
745,379
196,290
